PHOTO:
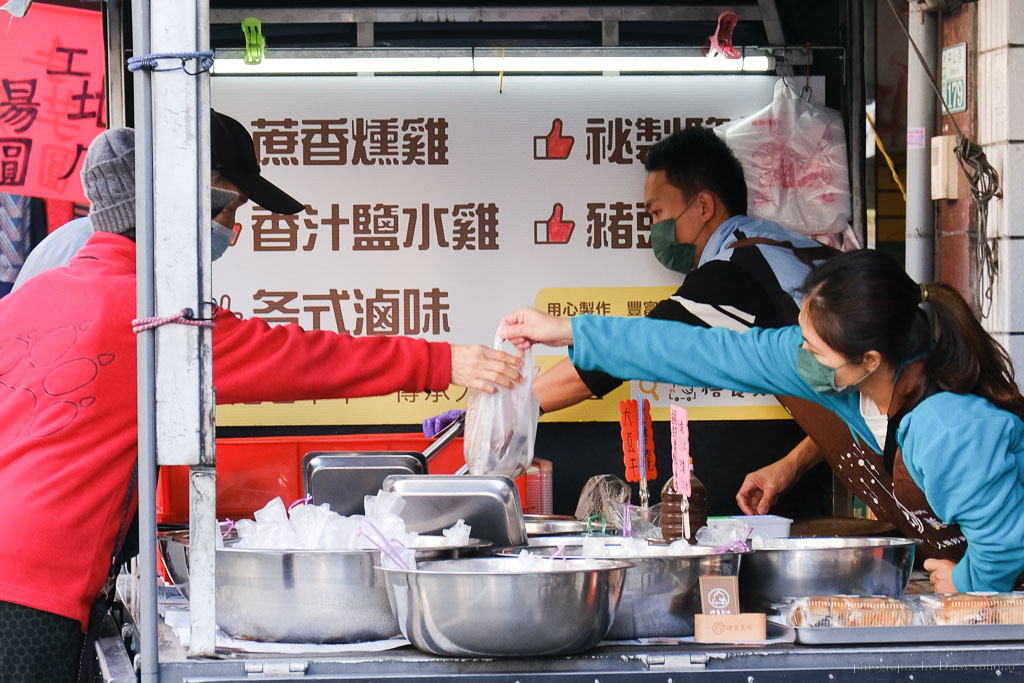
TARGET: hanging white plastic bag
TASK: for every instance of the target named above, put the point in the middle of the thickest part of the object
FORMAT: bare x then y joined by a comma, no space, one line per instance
794,161
501,428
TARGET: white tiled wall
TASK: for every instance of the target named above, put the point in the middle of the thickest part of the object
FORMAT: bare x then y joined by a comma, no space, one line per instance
1001,133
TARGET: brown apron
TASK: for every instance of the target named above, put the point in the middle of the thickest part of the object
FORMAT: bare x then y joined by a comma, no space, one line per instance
892,496
806,255
884,484
887,490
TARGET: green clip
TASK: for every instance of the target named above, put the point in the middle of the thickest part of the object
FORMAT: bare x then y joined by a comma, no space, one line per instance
595,518
255,43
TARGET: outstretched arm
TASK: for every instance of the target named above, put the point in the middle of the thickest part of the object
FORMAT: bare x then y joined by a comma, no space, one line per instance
528,326
759,360
560,387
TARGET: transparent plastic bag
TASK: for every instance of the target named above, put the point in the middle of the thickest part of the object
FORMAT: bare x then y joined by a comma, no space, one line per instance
794,161
845,611
641,522
727,535
457,534
501,428
970,609
599,493
316,527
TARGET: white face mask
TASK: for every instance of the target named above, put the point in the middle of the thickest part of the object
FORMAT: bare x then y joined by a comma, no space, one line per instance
220,240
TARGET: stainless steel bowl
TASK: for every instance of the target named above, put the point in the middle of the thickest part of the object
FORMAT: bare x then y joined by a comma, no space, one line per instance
553,525
484,607
174,553
302,596
173,546
436,547
802,567
570,540
661,593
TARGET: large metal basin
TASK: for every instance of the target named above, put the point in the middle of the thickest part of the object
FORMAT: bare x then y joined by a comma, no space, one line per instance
804,567
304,596
479,607
301,596
661,593
173,547
174,553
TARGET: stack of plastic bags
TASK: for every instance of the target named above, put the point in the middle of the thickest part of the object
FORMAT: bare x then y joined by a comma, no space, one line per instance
317,527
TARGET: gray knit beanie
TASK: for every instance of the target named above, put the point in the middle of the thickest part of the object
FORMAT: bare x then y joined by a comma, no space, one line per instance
108,178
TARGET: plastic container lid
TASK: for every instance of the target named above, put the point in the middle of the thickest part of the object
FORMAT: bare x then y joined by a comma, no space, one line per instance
771,526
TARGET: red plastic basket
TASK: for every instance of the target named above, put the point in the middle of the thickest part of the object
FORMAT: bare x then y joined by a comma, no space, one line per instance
252,471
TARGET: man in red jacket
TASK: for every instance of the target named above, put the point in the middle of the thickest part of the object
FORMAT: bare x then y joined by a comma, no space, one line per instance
68,436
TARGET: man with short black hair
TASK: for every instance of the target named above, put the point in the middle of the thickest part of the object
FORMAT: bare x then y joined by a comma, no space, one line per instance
740,271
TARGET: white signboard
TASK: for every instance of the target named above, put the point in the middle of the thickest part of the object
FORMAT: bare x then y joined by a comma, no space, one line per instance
434,205
954,77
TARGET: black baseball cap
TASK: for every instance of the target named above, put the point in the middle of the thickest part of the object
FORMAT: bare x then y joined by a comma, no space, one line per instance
233,154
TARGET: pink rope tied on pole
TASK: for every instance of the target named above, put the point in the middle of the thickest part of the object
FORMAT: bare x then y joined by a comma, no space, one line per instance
185,317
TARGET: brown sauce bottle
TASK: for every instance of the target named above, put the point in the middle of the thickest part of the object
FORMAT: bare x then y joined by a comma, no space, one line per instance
672,509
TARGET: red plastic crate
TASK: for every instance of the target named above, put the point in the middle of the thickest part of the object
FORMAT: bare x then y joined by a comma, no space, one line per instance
251,471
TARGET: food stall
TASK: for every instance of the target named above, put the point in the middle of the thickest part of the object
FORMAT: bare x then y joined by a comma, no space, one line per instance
548,113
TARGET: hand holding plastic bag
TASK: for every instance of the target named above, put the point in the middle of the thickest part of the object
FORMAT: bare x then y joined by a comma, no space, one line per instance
501,427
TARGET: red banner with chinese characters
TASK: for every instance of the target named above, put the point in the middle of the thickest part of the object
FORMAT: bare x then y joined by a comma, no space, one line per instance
52,99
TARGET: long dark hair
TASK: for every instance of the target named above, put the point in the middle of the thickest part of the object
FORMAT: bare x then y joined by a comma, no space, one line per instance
864,301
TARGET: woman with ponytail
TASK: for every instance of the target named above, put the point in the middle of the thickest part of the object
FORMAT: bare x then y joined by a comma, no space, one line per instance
897,361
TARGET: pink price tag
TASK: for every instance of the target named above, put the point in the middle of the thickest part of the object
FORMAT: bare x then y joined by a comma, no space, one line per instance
681,449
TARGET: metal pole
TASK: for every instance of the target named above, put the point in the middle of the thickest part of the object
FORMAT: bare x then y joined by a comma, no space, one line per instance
920,235
113,24
147,623
181,271
858,134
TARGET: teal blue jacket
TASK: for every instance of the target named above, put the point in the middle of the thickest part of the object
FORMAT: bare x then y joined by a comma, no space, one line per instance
965,454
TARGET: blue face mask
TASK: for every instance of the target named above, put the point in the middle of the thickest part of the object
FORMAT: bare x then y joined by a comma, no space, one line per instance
820,377
220,240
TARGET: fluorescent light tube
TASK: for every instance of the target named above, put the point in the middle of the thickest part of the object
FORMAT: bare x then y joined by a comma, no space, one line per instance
661,64
344,65
349,61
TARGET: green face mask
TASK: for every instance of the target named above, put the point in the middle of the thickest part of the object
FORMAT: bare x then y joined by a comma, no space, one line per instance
671,254
821,377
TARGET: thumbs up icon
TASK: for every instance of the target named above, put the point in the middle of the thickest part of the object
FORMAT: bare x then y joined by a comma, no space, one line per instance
554,145
554,230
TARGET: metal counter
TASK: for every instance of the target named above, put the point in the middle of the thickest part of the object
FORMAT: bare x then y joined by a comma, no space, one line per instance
665,663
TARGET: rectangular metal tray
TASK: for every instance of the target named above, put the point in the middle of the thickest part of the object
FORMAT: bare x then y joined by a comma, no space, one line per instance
343,479
489,504
546,525
853,635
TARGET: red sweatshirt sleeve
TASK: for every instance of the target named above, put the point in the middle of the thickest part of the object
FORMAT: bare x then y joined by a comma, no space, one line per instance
253,361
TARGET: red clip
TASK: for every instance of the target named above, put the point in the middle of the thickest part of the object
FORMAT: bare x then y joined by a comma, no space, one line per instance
720,42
